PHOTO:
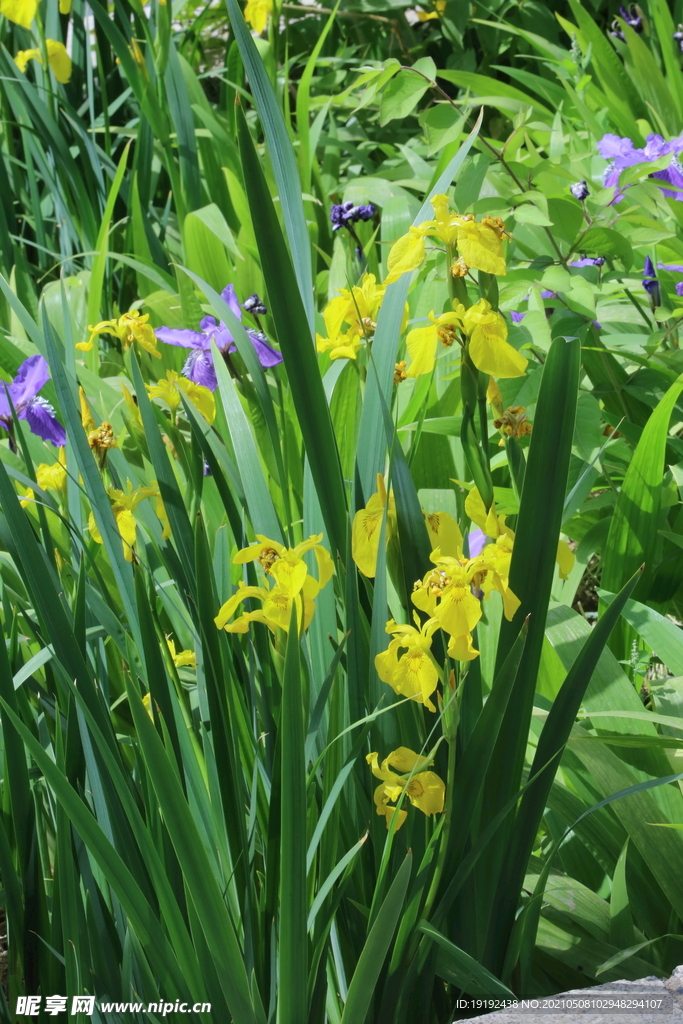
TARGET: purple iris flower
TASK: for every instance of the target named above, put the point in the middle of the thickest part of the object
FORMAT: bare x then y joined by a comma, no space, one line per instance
199,364
588,261
28,405
632,17
622,154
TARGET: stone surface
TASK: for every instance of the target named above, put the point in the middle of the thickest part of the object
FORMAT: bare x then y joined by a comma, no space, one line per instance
550,1010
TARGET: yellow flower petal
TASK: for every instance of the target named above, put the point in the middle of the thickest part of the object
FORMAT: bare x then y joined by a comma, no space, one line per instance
481,247
422,344
256,14
405,760
490,355
59,60
365,534
406,254
21,12
461,648
444,533
459,611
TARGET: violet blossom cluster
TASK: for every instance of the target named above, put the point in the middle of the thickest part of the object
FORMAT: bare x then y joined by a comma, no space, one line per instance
343,215
633,17
622,154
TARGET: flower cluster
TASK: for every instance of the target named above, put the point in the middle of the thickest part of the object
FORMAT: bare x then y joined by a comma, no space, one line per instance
351,318
199,366
484,334
479,244
622,154
424,789
343,215
292,585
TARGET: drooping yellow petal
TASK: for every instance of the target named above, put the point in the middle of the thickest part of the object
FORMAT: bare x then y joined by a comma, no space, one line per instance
21,12
490,355
365,534
227,610
406,254
383,808
461,648
444,533
422,344
426,791
59,60
200,396
416,676
125,520
459,611
481,247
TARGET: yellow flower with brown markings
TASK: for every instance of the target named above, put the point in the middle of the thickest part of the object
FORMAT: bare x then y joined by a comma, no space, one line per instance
424,789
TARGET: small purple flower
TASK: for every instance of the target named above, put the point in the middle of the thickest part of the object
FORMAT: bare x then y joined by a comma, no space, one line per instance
579,190
254,304
207,469
632,16
516,317
28,405
678,36
650,283
199,364
343,215
588,261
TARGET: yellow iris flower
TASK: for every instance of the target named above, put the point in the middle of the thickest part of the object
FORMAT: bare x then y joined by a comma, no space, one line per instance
440,7
181,658
129,328
173,386
480,244
256,14
124,504
358,308
424,789
52,477
414,673
486,332
58,59
293,583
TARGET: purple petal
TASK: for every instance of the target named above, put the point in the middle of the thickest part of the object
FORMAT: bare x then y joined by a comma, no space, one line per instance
267,355
673,176
228,295
622,151
548,295
33,373
588,261
656,147
597,326
679,288
516,317
648,268
476,541
181,336
677,268
207,322
200,369
41,418
224,339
